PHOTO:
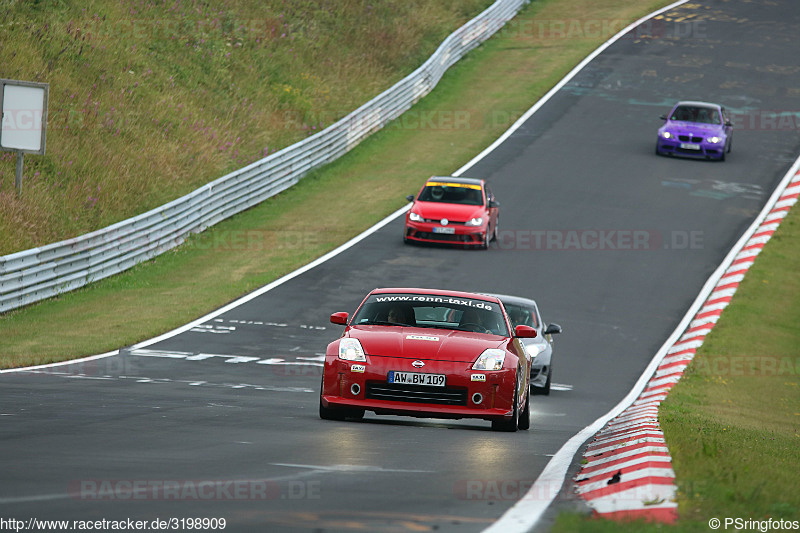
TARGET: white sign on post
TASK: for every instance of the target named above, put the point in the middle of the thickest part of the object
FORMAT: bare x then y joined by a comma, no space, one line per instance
23,123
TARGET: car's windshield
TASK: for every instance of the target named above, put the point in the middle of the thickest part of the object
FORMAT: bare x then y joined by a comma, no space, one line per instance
451,193
703,115
521,316
432,311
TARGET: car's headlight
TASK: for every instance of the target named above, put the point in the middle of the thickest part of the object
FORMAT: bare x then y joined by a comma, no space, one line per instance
714,140
534,349
477,221
413,217
351,350
491,359
667,135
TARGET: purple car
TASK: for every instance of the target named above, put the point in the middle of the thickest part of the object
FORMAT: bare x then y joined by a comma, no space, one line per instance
695,129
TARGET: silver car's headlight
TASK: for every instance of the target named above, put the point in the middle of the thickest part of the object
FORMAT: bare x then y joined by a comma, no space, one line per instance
413,217
351,350
534,349
714,140
490,359
477,221
667,135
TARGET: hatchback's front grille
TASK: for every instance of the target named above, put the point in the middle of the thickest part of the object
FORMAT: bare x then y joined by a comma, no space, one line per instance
415,393
443,237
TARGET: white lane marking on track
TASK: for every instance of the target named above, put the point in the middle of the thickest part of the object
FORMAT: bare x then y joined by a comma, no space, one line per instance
560,387
320,357
229,358
349,468
191,383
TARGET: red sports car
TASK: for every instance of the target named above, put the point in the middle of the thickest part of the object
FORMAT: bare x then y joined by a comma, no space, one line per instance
428,353
451,210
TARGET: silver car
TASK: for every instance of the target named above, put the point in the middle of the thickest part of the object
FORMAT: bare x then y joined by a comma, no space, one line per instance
526,312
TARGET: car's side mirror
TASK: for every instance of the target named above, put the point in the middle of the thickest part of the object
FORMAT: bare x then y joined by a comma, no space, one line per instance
729,124
552,329
410,197
339,318
525,332
494,203
663,117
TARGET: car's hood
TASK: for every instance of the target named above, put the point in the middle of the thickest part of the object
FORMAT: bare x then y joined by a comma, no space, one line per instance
424,343
453,212
682,127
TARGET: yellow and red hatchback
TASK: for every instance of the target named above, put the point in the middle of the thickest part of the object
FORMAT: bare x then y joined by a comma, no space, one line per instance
450,210
429,353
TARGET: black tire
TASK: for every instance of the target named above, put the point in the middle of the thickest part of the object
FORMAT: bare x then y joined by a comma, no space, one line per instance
485,244
337,413
543,391
494,232
512,424
525,415
330,413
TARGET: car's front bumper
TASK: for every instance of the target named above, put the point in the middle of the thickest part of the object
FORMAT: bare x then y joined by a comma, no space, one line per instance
703,149
433,233
468,393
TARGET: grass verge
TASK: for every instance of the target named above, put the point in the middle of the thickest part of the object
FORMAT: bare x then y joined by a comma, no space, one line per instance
151,100
487,90
732,424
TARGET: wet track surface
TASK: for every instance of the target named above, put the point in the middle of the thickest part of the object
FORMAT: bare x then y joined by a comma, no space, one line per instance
612,241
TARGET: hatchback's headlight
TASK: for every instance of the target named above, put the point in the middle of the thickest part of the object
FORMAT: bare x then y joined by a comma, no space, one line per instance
667,135
351,350
413,217
491,359
477,221
714,140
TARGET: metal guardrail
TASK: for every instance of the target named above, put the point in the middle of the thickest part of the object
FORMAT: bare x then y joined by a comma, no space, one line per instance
33,275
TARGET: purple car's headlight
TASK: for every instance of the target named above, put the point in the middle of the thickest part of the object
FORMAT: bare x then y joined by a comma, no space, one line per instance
667,135
714,140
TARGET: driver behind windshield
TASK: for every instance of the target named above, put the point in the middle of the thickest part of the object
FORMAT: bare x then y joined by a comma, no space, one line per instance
401,315
477,320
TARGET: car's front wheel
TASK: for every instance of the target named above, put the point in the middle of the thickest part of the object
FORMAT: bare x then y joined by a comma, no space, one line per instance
511,424
525,415
330,413
485,244
336,413
546,389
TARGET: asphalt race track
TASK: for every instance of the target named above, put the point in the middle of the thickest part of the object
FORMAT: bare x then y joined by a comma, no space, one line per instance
612,241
